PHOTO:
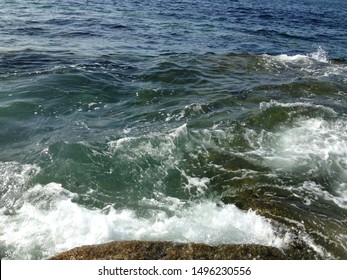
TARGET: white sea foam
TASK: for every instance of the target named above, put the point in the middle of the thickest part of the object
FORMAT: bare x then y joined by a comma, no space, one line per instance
48,221
166,149
168,138
196,186
13,177
188,111
160,147
311,147
312,191
319,55
315,64
313,142
44,219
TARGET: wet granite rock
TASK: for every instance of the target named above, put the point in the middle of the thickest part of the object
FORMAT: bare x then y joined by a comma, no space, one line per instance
166,250
286,210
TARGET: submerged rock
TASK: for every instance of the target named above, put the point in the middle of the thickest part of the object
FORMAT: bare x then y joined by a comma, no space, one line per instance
166,250
306,223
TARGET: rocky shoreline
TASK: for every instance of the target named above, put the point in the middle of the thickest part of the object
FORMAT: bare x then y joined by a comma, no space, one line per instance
167,250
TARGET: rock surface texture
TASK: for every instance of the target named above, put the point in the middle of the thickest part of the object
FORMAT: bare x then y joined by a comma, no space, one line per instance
164,250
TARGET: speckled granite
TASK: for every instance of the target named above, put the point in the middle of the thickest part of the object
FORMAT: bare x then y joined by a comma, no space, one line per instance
163,250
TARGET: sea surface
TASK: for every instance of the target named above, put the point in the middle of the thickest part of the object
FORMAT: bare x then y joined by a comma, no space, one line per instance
218,122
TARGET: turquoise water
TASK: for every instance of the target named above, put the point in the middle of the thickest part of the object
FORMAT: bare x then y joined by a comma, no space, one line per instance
211,121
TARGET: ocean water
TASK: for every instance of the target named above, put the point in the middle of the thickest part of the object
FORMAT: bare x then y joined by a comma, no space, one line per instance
192,121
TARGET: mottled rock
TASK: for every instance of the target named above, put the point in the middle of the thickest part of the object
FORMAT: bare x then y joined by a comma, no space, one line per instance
288,211
165,250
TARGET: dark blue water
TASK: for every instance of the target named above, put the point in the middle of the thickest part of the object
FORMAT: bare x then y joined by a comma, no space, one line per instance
193,121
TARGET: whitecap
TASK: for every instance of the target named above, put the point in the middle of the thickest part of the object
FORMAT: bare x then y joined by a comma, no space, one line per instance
311,65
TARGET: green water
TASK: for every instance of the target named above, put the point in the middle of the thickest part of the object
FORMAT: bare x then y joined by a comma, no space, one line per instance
191,138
